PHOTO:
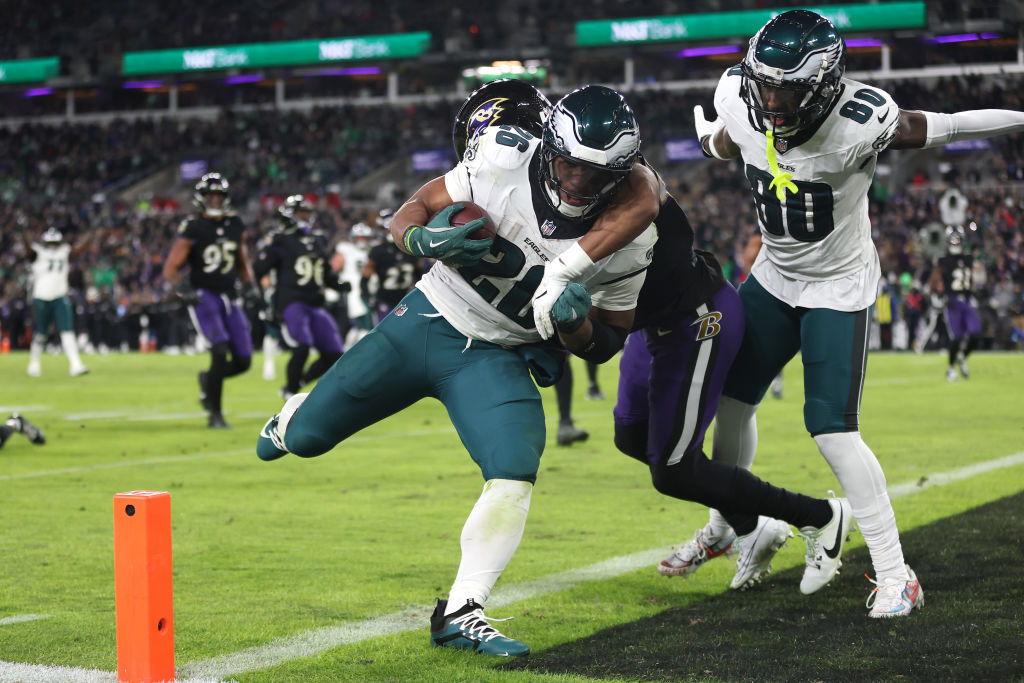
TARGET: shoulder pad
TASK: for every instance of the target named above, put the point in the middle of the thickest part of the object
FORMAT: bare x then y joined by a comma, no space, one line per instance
500,146
183,226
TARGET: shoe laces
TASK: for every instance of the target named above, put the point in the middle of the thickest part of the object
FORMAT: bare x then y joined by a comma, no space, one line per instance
887,593
812,536
476,623
696,550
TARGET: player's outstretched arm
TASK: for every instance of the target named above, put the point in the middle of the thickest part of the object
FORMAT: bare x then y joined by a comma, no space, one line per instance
929,129
714,138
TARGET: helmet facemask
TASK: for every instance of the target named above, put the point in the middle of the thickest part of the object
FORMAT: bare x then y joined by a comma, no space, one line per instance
210,185
296,214
589,146
795,62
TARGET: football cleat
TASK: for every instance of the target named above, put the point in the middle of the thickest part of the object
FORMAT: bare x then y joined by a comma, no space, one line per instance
951,374
961,361
691,555
31,432
79,371
35,370
825,546
217,421
270,446
468,629
895,598
204,398
286,393
756,551
594,393
569,434
776,387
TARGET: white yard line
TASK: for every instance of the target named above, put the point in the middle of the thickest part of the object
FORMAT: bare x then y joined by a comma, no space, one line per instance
310,643
18,618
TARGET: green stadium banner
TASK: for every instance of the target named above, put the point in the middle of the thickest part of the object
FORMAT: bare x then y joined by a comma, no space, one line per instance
28,70
680,27
276,54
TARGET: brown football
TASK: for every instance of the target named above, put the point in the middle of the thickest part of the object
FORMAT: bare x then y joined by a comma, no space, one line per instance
471,212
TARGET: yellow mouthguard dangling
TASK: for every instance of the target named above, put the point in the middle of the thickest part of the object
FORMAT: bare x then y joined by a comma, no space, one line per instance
780,181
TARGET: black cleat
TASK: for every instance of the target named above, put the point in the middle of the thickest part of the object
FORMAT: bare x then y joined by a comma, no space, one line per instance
204,399
569,434
31,432
217,421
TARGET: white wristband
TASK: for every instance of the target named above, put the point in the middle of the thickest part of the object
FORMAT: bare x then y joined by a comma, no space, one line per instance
971,125
570,264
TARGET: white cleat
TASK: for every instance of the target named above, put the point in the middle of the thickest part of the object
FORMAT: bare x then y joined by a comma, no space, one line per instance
895,598
34,370
756,551
691,555
825,546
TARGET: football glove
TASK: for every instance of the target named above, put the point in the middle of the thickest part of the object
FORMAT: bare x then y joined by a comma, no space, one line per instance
571,308
252,296
183,290
438,239
706,129
571,264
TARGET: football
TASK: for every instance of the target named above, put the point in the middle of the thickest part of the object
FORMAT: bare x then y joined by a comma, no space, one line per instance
471,212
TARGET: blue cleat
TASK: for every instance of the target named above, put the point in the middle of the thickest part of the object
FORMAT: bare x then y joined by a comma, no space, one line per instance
270,446
468,629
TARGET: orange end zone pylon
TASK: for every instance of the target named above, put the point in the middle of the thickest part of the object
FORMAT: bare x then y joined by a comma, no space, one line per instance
142,587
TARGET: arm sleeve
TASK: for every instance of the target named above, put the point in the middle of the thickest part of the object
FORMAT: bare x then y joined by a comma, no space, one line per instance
971,125
266,260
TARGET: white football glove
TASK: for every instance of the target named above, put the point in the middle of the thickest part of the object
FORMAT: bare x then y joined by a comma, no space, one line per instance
569,265
706,128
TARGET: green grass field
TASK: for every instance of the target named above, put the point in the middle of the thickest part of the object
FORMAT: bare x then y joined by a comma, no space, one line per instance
326,569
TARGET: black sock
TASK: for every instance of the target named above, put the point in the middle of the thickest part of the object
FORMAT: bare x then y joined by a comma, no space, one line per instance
737,493
296,364
592,374
563,390
237,365
320,366
954,348
215,375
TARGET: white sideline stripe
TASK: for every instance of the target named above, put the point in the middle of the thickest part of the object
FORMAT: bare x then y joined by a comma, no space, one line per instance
943,478
413,618
309,643
18,618
24,409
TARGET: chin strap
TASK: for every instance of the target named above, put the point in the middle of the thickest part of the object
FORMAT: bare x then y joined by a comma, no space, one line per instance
780,181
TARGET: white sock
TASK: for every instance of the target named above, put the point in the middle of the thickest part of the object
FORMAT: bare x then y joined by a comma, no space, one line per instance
735,443
489,539
863,481
35,351
67,340
269,351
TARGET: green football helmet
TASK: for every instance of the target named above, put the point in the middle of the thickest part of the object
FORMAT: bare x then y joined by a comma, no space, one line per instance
590,143
799,58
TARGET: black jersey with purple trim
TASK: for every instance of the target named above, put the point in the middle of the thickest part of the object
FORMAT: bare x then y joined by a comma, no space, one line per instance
213,257
680,278
396,270
957,274
300,262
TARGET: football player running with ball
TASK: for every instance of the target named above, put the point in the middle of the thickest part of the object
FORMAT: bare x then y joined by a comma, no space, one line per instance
467,334
809,139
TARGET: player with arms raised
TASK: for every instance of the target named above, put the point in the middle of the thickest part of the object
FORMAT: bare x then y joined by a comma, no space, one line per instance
466,335
212,245
809,139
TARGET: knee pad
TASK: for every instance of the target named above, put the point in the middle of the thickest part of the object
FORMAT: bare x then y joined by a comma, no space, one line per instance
631,439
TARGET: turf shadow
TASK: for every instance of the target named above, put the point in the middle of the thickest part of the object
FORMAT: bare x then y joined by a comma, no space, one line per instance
970,628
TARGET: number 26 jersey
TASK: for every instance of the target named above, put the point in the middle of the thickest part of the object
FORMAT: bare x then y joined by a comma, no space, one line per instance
492,300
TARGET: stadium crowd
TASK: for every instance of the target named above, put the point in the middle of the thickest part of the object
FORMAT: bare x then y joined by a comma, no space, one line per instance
70,176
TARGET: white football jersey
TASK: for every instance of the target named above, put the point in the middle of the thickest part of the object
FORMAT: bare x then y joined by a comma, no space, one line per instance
492,300
50,271
352,272
817,242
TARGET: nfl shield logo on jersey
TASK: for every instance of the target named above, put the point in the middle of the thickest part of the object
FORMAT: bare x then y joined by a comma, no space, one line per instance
400,311
547,228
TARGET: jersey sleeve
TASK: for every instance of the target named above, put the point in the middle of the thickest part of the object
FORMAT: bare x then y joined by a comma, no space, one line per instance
617,284
877,116
267,259
189,230
493,151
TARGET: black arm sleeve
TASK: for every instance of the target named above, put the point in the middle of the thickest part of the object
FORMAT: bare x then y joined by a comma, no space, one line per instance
605,342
